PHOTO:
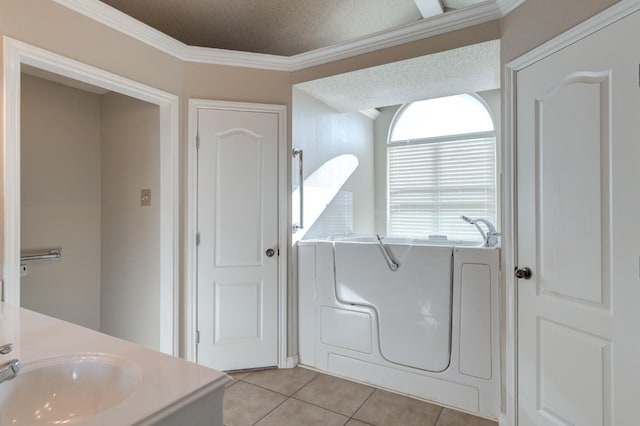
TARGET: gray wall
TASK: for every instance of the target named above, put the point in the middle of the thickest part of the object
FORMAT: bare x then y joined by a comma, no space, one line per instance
130,278
537,21
60,200
85,158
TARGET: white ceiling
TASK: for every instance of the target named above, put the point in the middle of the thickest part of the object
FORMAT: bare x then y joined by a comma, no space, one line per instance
472,68
280,27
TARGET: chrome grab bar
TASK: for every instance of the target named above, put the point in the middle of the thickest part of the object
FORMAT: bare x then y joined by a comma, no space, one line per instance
298,153
51,254
393,263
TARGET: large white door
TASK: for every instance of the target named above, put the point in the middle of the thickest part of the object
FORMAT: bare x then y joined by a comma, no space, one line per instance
578,214
238,235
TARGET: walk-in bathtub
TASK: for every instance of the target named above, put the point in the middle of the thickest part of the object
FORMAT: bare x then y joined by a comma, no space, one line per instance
429,329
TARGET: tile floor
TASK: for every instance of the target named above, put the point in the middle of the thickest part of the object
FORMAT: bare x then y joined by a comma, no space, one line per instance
297,397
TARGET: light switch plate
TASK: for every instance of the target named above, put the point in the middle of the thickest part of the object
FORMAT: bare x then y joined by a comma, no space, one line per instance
145,197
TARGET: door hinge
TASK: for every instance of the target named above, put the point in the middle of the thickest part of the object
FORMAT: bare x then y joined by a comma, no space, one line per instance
197,141
197,336
197,239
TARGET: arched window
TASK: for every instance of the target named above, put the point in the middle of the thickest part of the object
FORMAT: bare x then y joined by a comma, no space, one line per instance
441,165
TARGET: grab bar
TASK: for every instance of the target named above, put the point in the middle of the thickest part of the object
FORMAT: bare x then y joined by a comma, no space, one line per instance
298,152
393,264
51,254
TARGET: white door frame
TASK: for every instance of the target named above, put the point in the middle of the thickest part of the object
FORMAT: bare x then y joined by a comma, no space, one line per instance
191,221
17,53
509,205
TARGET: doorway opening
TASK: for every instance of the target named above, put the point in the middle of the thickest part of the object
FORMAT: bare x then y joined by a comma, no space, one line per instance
109,166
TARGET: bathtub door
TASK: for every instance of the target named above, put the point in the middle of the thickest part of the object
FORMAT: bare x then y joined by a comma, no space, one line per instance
578,165
238,234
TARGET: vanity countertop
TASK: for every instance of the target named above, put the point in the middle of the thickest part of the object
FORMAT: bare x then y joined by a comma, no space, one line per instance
167,384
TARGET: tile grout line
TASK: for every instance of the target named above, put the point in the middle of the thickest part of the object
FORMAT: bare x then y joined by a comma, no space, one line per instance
266,388
324,408
361,405
318,374
328,409
439,415
288,397
307,402
270,411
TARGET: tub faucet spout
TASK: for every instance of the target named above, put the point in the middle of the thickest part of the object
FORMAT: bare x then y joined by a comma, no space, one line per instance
491,236
9,370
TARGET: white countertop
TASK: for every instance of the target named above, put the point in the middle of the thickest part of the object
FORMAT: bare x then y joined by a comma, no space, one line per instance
166,383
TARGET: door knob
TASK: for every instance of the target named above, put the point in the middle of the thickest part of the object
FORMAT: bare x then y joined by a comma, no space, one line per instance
523,273
270,252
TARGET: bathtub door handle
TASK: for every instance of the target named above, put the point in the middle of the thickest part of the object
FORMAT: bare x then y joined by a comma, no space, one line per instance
523,273
270,252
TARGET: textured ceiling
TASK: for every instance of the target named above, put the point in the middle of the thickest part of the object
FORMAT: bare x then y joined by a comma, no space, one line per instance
279,27
472,68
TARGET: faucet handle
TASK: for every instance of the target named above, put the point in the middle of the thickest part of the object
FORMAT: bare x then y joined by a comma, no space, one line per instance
5,349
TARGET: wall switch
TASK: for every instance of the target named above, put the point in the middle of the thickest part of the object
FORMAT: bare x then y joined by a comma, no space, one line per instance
23,270
145,197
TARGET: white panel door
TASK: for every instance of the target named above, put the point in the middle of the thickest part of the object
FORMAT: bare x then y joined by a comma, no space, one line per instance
237,252
578,148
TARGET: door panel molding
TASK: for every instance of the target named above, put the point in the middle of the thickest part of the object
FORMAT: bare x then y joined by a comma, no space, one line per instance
587,280
190,226
509,173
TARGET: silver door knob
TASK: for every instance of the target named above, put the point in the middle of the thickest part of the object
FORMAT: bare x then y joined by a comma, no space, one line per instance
524,273
270,252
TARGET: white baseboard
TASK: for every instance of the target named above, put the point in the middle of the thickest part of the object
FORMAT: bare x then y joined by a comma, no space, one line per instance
292,361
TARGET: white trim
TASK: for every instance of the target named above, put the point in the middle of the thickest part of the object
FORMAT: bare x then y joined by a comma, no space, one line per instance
509,217
509,239
191,221
372,113
119,21
580,31
446,22
17,53
506,6
234,58
441,24
292,362
429,8
502,420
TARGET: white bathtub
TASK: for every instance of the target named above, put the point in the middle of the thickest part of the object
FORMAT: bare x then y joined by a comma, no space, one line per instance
430,329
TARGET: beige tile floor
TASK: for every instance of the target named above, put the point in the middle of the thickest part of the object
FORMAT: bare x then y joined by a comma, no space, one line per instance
301,397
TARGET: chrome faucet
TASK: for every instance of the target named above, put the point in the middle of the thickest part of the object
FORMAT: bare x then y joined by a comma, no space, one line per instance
490,237
9,369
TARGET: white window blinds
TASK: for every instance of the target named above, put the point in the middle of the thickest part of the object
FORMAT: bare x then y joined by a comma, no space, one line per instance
433,181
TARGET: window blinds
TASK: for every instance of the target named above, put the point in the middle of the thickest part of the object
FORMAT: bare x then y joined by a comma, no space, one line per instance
432,182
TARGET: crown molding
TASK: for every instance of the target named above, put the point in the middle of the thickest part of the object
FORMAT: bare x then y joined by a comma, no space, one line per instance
450,21
236,58
506,6
447,22
119,21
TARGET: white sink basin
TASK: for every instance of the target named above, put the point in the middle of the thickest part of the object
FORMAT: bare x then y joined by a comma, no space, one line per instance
66,390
